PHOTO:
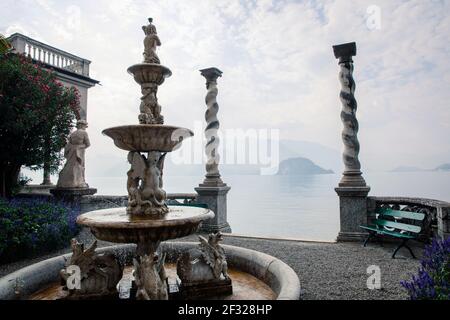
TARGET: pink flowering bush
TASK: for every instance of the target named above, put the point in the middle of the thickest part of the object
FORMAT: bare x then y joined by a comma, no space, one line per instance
36,116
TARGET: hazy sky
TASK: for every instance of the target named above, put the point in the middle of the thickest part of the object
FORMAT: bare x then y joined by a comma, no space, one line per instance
278,64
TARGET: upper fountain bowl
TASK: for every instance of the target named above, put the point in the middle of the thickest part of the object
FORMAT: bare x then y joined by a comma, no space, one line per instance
148,137
149,73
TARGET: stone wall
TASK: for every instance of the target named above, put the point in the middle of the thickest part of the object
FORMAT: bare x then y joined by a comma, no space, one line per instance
90,203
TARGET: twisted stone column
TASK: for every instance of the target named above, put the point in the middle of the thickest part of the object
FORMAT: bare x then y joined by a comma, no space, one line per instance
212,177
352,189
352,175
213,192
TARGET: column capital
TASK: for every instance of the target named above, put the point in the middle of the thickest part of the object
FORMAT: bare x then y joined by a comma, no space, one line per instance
344,52
211,74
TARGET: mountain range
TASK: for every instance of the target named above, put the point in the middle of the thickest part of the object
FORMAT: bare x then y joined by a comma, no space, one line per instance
322,156
442,167
300,166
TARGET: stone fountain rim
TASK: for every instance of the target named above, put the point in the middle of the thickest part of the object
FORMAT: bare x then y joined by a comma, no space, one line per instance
272,271
84,220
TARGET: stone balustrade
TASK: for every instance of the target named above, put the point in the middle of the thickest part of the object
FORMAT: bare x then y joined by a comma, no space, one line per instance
181,198
436,212
44,53
97,202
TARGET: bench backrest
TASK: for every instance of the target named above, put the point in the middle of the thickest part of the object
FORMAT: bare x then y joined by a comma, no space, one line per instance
385,216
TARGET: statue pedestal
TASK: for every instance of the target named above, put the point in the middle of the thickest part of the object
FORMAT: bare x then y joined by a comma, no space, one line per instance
72,194
353,212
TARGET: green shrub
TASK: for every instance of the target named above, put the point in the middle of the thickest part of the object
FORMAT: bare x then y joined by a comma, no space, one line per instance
29,227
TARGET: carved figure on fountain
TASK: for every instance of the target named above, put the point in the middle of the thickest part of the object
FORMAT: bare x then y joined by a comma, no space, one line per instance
150,277
151,41
149,108
144,184
100,273
205,263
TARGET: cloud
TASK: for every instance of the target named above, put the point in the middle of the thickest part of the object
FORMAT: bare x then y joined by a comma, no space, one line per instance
279,68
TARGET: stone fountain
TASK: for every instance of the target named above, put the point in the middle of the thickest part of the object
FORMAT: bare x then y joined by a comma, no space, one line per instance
147,220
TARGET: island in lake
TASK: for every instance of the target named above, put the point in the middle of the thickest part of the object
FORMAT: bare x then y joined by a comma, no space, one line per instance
443,167
407,169
300,166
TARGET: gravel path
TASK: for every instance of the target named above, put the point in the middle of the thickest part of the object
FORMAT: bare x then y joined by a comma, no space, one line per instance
330,271
326,270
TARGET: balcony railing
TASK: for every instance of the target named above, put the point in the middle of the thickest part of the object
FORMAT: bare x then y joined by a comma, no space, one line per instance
47,54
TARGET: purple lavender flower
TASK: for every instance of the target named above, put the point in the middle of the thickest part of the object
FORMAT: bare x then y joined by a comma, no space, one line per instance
433,278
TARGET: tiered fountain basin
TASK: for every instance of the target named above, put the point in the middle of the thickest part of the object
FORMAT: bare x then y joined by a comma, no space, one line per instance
149,73
255,275
147,137
115,225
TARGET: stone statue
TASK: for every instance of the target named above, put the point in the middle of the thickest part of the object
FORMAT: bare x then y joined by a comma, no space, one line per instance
151,41
144,184
72,175
150,278
205,263
100,273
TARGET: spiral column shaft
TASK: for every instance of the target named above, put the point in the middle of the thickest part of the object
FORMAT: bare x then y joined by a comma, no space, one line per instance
352,175
212,176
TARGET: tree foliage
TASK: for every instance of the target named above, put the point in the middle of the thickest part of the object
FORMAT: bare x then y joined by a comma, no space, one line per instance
36,116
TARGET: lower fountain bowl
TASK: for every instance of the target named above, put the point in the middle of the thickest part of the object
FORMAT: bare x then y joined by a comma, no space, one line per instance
148,137
115,225
278,276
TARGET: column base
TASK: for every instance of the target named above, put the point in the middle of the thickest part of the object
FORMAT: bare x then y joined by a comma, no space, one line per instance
352,178
216,199
352,212
352,191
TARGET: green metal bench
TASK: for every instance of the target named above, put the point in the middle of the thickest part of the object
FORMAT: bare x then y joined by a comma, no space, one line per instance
397,224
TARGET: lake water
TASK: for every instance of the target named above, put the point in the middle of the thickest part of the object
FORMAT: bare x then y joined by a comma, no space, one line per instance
304,207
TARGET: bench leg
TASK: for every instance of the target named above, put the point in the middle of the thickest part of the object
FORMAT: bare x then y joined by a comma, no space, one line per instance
403,244
368,238
380,241
410,251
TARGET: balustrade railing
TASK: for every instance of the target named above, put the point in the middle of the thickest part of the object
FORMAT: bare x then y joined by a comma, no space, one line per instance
47,54
181,198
